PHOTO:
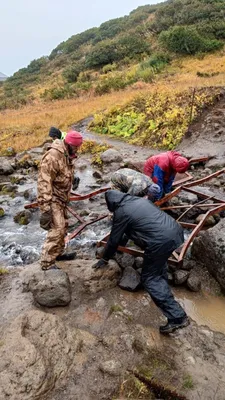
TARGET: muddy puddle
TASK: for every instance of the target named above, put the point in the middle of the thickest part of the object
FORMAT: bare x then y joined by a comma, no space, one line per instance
203,308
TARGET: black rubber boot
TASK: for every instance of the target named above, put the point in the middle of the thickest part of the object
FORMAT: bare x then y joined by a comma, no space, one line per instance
66,256
172,326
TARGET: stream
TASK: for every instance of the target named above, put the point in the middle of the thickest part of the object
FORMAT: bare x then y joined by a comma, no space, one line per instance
21,244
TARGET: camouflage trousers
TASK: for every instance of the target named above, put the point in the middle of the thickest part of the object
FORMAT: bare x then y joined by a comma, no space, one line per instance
54,243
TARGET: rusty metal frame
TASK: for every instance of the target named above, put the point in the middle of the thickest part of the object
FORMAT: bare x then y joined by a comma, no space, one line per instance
177,257
83,223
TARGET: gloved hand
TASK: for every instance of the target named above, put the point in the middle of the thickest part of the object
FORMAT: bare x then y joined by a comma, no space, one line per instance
46,220
76,181
101,263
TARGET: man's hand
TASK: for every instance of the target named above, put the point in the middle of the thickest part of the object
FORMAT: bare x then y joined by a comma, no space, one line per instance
76,181
46,220
101,263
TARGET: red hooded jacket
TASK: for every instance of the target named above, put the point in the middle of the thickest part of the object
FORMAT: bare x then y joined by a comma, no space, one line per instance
163,167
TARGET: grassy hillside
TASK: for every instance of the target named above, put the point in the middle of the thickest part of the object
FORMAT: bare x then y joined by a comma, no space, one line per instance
121,52
140,69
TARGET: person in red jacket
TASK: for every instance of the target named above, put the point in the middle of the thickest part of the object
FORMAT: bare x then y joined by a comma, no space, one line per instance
162,169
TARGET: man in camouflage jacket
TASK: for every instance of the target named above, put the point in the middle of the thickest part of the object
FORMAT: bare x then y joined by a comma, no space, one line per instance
135,183
54,186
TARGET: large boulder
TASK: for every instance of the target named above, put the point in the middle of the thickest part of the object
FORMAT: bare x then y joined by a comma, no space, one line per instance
5,167
209,249
96,280
37,350
111,155
50,288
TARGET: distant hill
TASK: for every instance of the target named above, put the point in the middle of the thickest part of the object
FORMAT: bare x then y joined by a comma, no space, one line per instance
3,77
120,52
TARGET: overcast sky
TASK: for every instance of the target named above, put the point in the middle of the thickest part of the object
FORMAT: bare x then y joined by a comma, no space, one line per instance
30,29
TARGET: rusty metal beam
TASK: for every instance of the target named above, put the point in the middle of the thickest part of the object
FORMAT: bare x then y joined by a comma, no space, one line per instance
197,230
198,160
82,226
189,206
183,180
74,197
206,179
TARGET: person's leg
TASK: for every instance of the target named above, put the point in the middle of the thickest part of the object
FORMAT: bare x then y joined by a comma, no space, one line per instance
54,243
154,280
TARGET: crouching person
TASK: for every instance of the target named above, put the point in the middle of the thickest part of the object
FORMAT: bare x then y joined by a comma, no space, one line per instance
158,235
55,178
135,183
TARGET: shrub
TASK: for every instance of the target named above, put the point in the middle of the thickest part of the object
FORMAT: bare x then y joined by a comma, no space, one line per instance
187,40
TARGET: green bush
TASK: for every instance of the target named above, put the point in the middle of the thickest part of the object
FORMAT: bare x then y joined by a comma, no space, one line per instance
186,40
71,73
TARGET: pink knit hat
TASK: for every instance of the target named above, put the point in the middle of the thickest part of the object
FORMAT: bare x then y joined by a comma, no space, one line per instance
74,138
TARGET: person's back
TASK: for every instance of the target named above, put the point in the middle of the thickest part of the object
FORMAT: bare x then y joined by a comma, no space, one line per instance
145,223
130,181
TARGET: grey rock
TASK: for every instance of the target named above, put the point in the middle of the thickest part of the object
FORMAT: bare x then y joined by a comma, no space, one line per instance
130,280
5,166
210,221
111,155
209,249
188,197
50,288
23,217
96,280
180,276
38,349
125,260
194,283
97,175
138,262
111,367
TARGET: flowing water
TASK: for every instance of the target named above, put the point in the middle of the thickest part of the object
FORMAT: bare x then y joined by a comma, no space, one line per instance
22,245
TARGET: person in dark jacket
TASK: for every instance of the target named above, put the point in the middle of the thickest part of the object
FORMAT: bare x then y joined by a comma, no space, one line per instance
158,235
162,169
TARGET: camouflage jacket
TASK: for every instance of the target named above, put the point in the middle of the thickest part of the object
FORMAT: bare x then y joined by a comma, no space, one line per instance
55,176
130,181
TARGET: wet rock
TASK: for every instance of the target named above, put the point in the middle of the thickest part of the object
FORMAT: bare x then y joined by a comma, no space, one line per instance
130,280
23,217
111,155
194,283
8,188
37,349
209,248
217,163
2,212
180,276
5,166
111,367
50,288
138,262
139,270
188,265
124,260
100,251
188,197
30,195
97,175
210,221
103,278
